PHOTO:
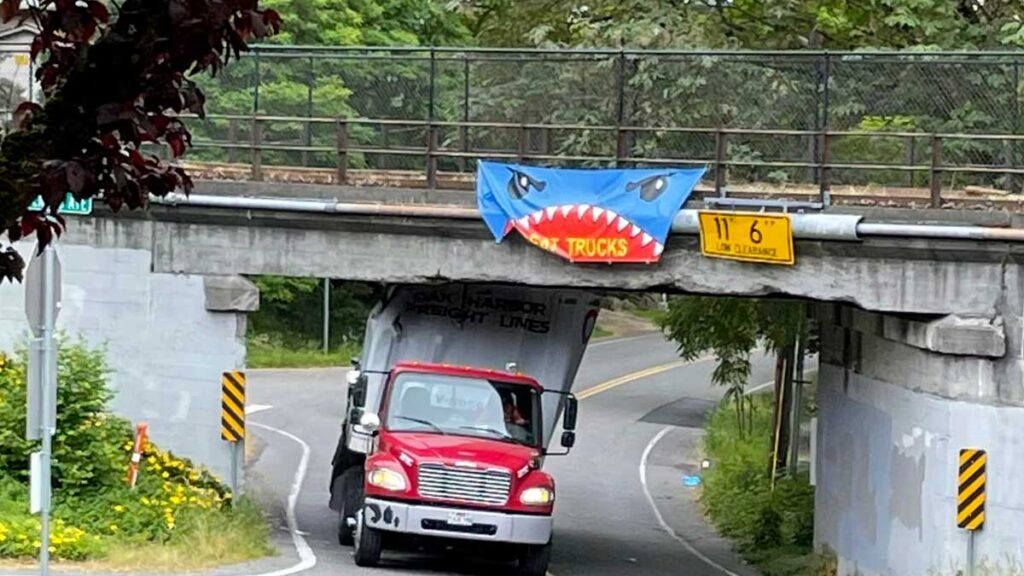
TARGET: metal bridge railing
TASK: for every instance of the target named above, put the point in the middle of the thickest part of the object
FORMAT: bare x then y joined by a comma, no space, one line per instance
437,158
926,126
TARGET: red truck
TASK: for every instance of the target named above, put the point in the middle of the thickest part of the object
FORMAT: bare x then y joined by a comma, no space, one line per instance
451,409
457,453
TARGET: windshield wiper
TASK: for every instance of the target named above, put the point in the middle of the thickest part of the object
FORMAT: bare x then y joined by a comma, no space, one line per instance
497,433
422,421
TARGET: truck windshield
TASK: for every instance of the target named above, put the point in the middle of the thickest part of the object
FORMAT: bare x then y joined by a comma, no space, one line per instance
464,406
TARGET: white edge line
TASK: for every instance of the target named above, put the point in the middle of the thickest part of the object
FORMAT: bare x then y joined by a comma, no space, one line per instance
657,514
307,559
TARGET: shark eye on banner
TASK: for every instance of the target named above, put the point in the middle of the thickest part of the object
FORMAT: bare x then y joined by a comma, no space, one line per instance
585,215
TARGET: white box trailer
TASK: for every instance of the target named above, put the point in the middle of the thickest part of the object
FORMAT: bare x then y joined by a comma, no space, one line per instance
541,332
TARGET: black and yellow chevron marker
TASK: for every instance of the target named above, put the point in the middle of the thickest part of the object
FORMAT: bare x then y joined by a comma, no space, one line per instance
232,412
970,509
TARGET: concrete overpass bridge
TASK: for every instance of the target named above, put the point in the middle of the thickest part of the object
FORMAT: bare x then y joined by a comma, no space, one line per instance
913,266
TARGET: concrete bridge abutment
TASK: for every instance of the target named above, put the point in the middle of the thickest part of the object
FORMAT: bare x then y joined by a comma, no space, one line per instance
168,337
898,398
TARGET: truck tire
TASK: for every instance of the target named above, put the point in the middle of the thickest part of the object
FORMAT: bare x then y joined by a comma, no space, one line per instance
368,544
350,487
534,560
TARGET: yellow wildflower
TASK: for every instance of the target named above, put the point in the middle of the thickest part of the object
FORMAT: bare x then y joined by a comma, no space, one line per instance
165,475
118,508
53,549
113,528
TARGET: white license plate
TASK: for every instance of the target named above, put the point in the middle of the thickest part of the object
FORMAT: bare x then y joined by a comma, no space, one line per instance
460,519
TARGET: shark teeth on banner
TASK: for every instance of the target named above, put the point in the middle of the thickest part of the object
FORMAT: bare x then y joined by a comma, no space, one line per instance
582,210
610,217
551,211
645,239
566,209
524,222
658,248
622,224
634,231
538,216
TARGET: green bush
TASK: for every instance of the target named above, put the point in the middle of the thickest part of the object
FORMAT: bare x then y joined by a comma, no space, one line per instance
738,495
86,448
93,508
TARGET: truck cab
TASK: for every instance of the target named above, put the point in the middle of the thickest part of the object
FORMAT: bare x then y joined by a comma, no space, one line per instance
457,453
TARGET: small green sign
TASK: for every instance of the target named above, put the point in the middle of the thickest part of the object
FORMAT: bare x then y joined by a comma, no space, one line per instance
68,206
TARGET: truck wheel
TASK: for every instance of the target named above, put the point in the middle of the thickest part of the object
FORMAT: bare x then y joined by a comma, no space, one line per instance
350,485
368,544
534,560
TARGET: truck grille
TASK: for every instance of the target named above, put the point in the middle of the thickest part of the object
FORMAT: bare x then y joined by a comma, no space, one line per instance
465,484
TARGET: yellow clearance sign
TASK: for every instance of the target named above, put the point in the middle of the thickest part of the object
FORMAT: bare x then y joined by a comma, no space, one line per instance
747,236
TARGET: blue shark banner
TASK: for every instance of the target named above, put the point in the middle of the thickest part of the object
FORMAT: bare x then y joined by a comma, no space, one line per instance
600,215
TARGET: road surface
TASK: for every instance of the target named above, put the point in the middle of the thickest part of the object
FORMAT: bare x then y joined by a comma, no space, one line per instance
632,392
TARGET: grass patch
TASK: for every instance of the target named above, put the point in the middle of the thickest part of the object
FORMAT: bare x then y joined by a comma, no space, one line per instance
601,332
773,528
264,353
238,535
652,315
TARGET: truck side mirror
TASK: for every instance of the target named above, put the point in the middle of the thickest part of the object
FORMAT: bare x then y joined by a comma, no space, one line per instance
568,439
371,422
569,417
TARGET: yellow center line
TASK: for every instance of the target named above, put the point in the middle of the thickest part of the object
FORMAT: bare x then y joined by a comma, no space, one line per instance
634,376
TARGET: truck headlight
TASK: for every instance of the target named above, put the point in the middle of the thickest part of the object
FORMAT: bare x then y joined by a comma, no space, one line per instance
537,496
387,479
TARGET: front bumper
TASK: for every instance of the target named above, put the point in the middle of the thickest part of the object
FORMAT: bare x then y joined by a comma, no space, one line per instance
472,525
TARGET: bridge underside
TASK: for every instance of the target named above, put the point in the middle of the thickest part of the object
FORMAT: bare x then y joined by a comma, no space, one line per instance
890,275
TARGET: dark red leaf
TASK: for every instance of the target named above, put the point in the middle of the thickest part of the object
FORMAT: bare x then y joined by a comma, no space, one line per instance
114,202
9,9
37,46
76,176
99,11
136,158
272,19
44,234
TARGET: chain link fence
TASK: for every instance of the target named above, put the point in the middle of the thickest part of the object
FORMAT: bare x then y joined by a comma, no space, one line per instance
408,107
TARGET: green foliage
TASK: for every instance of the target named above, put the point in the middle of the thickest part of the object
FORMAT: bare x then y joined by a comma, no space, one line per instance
368,23
87,445
94,510
773,528
291,312
731,328
267,351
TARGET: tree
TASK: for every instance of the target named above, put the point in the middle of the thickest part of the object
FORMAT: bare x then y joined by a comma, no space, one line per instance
732,328
112,84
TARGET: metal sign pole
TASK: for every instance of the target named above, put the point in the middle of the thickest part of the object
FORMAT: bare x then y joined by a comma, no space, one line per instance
327,315
49,386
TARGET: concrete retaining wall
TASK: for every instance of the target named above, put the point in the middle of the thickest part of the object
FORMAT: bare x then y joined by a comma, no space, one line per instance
893,416
166,349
